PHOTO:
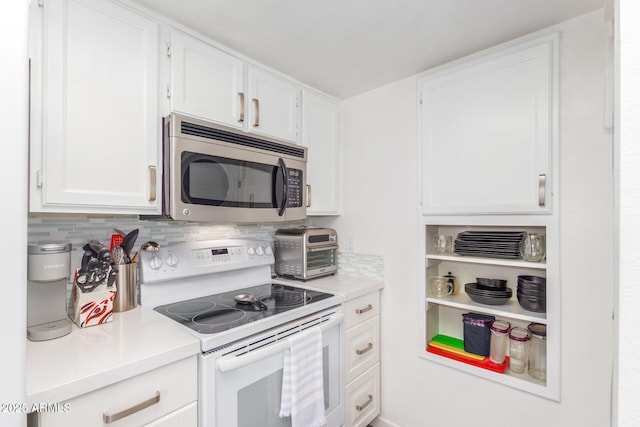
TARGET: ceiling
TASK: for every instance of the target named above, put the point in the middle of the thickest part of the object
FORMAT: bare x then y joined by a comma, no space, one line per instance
346,47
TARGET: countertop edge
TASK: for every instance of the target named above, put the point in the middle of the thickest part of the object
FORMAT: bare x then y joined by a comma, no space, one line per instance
180,345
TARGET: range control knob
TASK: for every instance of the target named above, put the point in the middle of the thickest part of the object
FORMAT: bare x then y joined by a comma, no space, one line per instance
172,260
268,251
259,251
155,262
251,251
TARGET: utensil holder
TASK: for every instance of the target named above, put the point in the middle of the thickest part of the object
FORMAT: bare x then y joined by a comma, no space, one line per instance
127,288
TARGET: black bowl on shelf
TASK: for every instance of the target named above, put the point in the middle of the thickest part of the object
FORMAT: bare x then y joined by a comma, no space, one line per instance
489,297
490,284
535,304
540,293
532,280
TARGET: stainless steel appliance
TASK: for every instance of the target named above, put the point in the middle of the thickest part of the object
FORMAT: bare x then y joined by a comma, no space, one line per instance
47,277
221,291
305,253
214,174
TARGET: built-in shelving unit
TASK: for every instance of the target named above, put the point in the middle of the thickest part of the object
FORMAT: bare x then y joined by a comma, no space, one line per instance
443,315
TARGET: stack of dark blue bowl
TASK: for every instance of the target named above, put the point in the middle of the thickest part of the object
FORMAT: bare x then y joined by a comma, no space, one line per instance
532,293
489,291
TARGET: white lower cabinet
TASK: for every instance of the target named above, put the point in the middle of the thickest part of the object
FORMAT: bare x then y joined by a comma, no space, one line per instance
362,359
163,397
363,398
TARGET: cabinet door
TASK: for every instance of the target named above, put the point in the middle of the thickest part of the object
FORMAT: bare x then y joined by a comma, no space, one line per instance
487,133
320,136
100,118
206,82
273,106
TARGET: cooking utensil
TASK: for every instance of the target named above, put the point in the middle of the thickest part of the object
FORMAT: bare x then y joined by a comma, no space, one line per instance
117,256
250,299
128,242
150,246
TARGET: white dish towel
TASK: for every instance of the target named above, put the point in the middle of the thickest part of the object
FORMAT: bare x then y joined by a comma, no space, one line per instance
302,380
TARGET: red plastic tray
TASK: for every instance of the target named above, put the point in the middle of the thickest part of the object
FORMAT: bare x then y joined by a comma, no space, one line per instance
485,364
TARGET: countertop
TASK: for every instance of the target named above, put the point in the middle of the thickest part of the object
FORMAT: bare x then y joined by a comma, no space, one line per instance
136,341
349,287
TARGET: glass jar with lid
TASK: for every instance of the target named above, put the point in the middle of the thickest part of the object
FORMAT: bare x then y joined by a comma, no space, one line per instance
538,352
499,340
518,350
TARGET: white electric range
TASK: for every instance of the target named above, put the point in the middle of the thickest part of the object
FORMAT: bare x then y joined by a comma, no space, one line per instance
222,292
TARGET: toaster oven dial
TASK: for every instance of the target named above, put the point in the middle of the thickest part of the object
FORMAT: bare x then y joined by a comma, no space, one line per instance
259,251
267,250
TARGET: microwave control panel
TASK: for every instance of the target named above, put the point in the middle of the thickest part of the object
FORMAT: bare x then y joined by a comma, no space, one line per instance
294,184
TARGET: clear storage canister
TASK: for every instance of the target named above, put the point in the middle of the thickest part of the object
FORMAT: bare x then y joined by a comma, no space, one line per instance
538,351
518,350
499,340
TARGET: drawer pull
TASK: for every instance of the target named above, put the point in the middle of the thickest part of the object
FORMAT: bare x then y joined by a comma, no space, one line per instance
365,404
130,411
364,350
369,307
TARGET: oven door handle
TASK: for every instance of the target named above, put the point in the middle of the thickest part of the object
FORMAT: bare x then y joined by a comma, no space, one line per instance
229,363
324,248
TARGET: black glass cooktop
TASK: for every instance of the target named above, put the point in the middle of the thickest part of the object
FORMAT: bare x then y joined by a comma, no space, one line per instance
220,312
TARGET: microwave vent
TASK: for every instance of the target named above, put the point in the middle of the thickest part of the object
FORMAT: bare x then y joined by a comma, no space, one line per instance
244,140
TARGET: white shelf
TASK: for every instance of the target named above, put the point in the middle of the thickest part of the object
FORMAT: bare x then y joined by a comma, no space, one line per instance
486,261
520,382
511,309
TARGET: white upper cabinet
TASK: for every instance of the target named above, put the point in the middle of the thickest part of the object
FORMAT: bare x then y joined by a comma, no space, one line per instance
273,107
211,84
95,122
320,135
488,127
206,82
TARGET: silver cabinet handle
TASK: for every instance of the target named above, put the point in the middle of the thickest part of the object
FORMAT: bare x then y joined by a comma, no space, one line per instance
369,307
308,195
256,105
364,350
152,183
241,95
542,189
365,404
108,419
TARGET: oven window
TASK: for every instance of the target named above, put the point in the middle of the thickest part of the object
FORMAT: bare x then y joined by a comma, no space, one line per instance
321,259
218,181
259,402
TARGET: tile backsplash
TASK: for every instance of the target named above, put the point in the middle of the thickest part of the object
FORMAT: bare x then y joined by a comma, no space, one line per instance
79,229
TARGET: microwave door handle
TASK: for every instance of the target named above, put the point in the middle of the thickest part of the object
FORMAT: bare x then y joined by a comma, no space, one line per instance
285,186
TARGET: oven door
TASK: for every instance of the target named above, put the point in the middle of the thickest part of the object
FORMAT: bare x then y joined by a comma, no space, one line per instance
243,388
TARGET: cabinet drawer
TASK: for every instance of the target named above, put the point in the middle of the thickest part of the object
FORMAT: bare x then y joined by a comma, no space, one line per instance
360,309
363,398
154,394
362,345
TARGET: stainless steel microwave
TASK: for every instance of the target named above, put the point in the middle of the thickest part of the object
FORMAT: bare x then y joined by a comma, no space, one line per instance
219,175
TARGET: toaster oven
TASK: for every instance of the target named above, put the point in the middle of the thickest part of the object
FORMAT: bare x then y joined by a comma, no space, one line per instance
305,253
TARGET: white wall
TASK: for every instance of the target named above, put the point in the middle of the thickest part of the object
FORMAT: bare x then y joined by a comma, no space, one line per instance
629,211
380,211
13,187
